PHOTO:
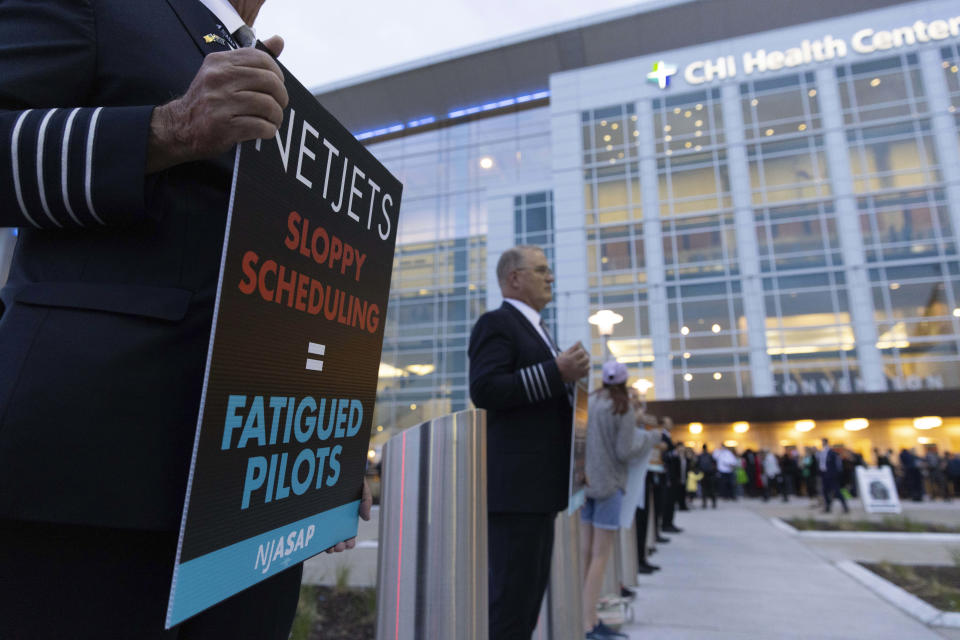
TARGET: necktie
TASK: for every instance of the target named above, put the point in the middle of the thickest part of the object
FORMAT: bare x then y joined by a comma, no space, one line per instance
245,36
556,351
553,345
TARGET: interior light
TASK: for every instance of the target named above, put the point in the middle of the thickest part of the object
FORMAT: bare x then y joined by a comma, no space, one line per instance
684,330
606,138
603,123
927,422
696,427
371,454
687,114
956,312
635,133
669,152
413,407
676,110
875,82
688,145
856,424
609,147
715,328
894,286
698,133
686,355
486,162
924,440
423,292
614,126
379,427
634,118
717,375
730,443
741,427
697,148
954,68
698,123
754,102
812,93
668,129
668,138
804,425
688,377
699,107
769,132
421,369
802,127
642,385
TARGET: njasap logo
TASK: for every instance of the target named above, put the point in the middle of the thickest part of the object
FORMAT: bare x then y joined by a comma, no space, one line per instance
661,74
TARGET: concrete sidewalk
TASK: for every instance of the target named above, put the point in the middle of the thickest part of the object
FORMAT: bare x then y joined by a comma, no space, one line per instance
732,574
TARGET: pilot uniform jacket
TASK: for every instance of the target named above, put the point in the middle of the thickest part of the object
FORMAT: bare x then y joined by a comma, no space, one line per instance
514,376
110,296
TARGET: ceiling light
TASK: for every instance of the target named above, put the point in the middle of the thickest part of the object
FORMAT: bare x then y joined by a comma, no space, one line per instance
812,93
875,82
615,126
413,407
894,286
717,375
804,425
379,427
688,377
769,132
715,328
754,102
668,129
927,422
606,138
687,114
696,427
684,330
686,355
486,162
371,454
856,424
802,127
730,443
741,427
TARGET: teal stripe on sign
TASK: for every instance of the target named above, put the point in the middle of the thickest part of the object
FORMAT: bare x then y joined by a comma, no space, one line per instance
203,582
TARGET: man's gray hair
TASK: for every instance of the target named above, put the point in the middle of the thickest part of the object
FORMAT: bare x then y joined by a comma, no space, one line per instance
511,260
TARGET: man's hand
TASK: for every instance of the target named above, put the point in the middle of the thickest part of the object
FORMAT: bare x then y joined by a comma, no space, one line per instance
574,363
237,95
366,502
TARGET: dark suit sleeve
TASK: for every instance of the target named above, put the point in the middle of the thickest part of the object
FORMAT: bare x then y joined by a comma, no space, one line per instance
63,162
495,383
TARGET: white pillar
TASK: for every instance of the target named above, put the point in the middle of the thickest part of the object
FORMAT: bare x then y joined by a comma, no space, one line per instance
944,130
748,253
657,309
848,230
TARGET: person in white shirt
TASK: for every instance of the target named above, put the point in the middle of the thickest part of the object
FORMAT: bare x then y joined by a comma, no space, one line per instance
727,462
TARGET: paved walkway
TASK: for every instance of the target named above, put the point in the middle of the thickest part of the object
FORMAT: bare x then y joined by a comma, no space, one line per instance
733,575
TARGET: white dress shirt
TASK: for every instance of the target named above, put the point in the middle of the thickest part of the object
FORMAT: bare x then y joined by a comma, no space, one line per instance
226,13
533,317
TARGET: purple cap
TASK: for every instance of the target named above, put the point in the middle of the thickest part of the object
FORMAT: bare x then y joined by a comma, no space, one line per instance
614,372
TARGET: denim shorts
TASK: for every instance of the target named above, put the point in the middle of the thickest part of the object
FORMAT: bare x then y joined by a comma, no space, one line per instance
603,514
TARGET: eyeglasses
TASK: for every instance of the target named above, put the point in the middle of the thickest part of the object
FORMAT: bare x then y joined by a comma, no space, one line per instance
542,270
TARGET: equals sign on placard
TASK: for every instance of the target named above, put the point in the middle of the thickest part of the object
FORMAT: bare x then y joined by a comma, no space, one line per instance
315,364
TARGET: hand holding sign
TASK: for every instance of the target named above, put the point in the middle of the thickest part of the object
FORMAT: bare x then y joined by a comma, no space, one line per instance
366,503
237,95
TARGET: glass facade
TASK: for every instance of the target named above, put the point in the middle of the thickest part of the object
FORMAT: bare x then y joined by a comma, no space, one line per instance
777,234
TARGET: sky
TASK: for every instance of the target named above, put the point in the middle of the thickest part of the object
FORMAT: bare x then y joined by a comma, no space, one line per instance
327,42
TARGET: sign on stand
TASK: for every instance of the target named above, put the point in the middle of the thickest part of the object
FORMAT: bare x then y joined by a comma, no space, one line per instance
878,490
291,376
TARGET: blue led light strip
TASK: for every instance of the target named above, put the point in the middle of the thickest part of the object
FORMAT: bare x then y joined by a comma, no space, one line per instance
457,113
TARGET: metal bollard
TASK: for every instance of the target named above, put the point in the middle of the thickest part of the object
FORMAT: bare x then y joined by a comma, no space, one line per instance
629,565
432,557
561,614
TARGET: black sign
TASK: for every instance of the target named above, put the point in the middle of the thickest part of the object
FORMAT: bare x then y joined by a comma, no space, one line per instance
288,398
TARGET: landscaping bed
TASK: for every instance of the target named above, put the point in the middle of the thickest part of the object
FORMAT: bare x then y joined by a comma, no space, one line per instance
936,585
889,524
335,613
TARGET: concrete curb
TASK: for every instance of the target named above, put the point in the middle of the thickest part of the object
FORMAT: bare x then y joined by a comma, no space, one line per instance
902,599
783,525
868,535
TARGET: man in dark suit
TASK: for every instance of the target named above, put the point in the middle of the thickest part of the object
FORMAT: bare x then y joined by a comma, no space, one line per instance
832,473
121,206
518,374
